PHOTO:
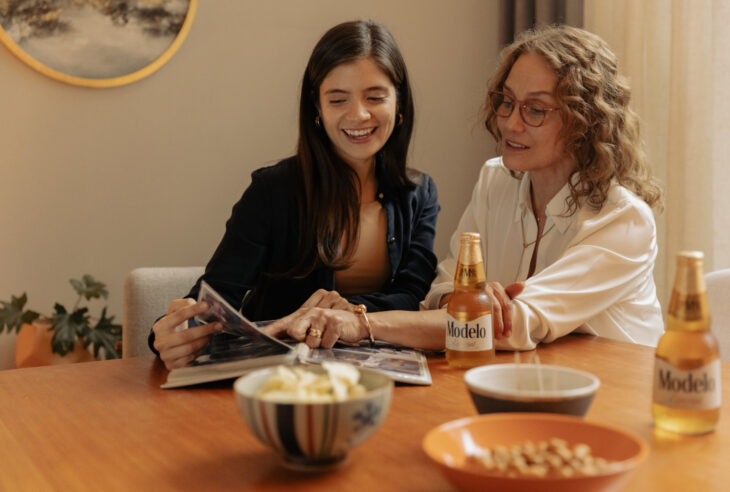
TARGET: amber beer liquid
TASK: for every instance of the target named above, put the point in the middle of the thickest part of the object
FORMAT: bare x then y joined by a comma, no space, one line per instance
469,337
687,394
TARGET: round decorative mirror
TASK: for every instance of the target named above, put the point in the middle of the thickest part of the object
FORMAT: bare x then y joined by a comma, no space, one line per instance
95,43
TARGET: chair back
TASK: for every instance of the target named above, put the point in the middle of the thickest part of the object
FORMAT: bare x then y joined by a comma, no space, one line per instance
147,293
718,295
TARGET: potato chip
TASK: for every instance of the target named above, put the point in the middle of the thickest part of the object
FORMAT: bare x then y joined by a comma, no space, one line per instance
299,385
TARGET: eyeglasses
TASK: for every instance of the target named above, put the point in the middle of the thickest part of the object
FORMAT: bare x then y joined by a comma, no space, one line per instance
532,113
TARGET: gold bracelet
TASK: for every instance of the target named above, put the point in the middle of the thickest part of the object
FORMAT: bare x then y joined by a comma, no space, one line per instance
362,310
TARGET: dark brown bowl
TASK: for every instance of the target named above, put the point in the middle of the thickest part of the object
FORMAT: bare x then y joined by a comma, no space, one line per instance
531,388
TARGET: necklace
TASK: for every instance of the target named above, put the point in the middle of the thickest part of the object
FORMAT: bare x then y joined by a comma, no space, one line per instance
526,244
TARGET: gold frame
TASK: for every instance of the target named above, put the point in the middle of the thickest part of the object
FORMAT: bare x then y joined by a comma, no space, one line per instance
108,82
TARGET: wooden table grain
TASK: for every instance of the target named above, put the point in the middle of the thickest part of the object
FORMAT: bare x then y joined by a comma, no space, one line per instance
108,426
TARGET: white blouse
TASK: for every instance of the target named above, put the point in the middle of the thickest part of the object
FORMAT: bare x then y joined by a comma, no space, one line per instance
593,269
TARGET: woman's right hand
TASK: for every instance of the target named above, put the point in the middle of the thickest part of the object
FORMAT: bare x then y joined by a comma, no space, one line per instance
328,299
178,348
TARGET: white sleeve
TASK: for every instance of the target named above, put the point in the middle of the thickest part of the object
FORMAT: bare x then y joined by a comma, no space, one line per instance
444,282
609,260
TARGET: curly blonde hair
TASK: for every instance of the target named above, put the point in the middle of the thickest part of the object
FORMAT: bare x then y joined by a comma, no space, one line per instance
601,131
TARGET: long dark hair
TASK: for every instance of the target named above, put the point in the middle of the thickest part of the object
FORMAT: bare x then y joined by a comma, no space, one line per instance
329,208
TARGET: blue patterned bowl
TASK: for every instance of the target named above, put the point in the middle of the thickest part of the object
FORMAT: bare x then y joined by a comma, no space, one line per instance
313,436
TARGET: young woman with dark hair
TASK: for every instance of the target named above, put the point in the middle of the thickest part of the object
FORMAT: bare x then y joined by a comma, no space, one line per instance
343,223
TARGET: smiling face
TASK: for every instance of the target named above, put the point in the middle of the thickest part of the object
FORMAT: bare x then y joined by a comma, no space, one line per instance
525,148
358,108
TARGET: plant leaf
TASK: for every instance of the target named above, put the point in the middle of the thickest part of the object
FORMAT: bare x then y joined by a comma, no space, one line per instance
68,328
12,314
105,334
89,288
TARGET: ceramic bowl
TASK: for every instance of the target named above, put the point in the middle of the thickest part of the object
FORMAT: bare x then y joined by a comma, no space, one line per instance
448,444
313,436
531,388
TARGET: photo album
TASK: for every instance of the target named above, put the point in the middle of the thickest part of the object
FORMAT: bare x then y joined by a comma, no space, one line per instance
242,346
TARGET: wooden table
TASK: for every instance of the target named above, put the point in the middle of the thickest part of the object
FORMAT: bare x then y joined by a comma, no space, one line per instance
108,426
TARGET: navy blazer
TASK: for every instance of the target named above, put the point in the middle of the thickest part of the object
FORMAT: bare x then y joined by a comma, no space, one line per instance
262,236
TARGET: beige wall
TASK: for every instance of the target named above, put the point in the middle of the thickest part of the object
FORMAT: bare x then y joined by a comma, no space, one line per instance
103,181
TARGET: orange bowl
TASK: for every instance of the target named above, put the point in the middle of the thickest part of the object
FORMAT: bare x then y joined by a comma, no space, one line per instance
446,446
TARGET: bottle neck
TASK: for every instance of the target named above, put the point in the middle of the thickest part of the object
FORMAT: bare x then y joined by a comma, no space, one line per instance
688,312
688,307
469,276
470,269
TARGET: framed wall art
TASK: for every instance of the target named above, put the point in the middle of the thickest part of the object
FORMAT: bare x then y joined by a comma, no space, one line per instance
95,43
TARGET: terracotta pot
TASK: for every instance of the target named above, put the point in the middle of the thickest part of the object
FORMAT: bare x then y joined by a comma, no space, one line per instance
33,348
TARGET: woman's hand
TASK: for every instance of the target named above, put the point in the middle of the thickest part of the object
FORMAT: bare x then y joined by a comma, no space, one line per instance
178,348
502,306
319,327
330,299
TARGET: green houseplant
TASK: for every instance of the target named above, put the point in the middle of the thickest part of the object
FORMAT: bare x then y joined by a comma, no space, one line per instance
70,329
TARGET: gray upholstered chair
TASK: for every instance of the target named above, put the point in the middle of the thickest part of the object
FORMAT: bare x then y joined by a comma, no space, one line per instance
147,292
718,295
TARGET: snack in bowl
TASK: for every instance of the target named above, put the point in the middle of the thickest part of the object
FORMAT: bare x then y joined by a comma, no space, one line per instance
553,457
457,448
294,384
312,415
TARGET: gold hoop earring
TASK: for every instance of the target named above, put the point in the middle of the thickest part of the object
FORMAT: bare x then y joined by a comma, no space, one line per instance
317,121
400,119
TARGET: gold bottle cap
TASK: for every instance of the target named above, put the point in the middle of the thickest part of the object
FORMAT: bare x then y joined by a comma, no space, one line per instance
690,257
470,237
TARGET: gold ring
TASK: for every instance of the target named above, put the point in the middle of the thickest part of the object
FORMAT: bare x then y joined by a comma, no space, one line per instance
314,332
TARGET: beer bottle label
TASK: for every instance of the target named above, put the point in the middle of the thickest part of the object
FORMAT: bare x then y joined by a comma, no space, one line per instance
692,390
469,336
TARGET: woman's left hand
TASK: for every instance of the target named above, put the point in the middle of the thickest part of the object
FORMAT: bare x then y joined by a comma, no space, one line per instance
319,327
501,298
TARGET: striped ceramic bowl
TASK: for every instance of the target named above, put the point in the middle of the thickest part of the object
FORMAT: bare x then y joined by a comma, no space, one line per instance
313,435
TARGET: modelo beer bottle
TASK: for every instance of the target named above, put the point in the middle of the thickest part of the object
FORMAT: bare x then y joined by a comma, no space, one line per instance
687,392
469,337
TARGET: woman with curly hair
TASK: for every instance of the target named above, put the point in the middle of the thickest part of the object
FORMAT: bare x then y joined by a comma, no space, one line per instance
565,212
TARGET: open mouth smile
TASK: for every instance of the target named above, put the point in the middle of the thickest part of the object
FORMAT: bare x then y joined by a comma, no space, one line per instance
515,145
359,133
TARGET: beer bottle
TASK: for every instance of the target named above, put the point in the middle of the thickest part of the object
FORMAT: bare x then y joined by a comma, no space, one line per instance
469,337
687,393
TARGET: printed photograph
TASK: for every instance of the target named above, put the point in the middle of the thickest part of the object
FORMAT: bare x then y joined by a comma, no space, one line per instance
225,347
234,323
406,365
94,39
